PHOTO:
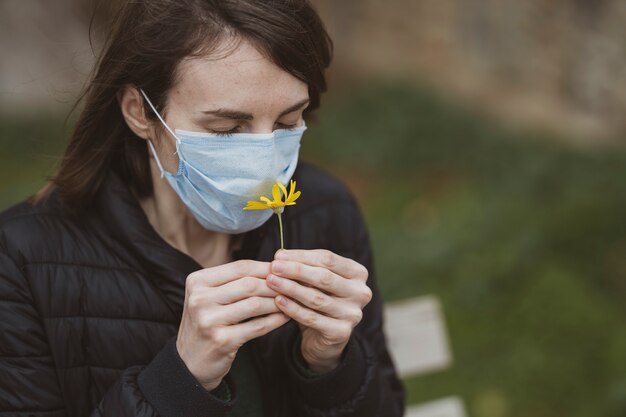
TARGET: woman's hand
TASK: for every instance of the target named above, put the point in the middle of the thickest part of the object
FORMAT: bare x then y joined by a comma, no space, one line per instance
325,293
217,302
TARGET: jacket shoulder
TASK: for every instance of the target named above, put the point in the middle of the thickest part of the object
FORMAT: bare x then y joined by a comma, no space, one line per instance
30,230
23,216
320,188
327,214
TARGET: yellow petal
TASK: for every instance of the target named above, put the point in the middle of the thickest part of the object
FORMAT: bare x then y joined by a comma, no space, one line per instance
292,198
255,205
292,187
267,200
276,193
282,187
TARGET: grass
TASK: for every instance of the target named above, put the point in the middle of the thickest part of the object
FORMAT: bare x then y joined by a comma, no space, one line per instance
522,240
29,150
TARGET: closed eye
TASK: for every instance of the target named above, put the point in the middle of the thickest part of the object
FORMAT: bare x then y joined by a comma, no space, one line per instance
237,129
286,126
230,132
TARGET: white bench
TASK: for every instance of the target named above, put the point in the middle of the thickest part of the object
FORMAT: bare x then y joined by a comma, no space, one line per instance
447,407
418,343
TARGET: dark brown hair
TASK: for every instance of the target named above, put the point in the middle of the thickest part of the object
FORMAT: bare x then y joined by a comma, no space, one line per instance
146,42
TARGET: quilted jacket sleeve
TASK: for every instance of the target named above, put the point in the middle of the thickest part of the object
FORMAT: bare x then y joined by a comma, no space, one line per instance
365,383
164,388
28,378
28,382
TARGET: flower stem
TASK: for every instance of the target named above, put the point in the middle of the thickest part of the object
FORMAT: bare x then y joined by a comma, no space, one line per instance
280,222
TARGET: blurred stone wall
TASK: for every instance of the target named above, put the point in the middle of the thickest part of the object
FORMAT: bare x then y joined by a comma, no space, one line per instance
555,64
45,54
552,64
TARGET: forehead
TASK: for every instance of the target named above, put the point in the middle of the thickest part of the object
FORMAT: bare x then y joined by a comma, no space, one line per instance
237,76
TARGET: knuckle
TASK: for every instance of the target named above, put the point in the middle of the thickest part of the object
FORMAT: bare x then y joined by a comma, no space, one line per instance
327,258
250,285
243,266
319,300
344,332
367,295
219,338
356,317
230,355
194,302
192,281
326,279
205,324
310,319
254,304
260,326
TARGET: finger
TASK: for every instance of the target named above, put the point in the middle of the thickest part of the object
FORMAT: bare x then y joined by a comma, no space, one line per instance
242,288
318,277
219,275
340,265
244,309
313,298
257,327
334,330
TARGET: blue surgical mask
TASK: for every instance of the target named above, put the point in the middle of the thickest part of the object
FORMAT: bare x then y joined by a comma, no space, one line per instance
217,175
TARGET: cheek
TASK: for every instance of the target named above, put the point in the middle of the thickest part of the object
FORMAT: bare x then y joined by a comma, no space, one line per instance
166,150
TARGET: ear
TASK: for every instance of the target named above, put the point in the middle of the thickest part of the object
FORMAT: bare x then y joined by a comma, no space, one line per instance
131,104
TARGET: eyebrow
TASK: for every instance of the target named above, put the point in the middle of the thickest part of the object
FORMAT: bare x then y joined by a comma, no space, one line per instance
238,115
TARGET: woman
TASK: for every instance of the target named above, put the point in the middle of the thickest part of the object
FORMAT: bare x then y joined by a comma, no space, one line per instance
135,285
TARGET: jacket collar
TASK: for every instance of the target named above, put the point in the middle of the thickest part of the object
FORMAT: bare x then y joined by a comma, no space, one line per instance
135,240
129,234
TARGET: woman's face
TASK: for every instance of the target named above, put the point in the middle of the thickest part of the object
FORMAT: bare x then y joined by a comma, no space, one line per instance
237,92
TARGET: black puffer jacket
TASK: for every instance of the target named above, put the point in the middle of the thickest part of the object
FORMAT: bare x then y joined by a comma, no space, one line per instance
90,306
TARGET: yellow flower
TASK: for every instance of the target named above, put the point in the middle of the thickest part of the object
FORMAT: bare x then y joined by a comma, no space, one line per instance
278,205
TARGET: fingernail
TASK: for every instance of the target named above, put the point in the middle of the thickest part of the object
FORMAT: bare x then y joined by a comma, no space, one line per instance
273,279
281,300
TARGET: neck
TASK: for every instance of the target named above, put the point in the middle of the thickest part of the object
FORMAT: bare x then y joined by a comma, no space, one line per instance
173,221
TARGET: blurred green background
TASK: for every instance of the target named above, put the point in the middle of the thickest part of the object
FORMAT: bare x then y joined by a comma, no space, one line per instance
484,141
523,241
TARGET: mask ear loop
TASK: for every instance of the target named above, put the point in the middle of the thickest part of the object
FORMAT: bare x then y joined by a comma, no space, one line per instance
166,127
156,158
159,116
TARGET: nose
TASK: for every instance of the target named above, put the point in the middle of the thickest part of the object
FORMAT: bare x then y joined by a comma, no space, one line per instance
262,126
